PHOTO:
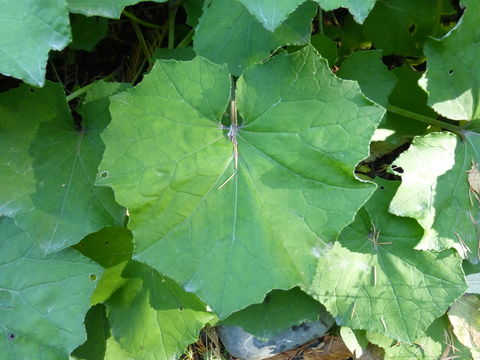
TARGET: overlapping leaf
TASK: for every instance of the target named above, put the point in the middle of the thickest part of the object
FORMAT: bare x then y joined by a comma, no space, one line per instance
29,30
272,13
465,318
43,300
48,167
374,79
151,323
402,26
438,342
279,311
452,79
244,41
105,8
373,278
170,162
435,190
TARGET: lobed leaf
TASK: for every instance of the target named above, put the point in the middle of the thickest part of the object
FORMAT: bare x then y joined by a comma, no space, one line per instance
43,300
145,331
244,41
49,165
171,163
374,279
30,29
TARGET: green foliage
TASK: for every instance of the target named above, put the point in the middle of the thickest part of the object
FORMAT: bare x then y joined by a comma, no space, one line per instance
246,163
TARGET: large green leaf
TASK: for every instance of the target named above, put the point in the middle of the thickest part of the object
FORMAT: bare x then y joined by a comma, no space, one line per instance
373,278
146,331
105,8
29,30
272,13
244,41
171,163
401,26
435,190
43,300
452,79
278,312
49,165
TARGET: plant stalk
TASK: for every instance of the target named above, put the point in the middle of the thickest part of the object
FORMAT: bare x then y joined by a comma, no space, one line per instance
425,119
172,13
140,21
186,40
85,88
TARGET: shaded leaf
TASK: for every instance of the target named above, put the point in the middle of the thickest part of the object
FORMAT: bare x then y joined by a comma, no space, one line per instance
38,316
48,167
326,47
278,312
244,41
87,32
98,331
146,333
372,75
30,29
108,247
401,26
293,191
373,279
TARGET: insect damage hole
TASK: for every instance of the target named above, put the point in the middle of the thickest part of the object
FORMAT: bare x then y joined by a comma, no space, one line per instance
93,277
104,174
11,337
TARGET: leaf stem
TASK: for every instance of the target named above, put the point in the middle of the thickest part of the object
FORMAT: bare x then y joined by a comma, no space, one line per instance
142,41
320,20
172,13
85,88
425,119
140,21
186,40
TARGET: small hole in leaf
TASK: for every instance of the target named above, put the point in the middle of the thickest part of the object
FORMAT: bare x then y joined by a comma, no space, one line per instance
450,72
180,308
93,277
104,174
382,187
397,169
412,29
11,337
